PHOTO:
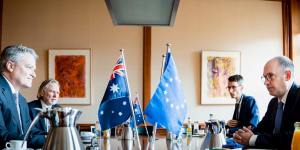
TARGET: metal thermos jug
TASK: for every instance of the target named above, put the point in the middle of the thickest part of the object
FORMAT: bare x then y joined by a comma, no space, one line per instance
215,135
127,132
63,134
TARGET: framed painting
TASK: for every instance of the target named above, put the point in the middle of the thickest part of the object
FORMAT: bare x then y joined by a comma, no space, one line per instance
217,66
72,68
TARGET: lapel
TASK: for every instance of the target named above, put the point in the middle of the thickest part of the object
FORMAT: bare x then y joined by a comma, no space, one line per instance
10,99
23,113
291,101
242,108
42,121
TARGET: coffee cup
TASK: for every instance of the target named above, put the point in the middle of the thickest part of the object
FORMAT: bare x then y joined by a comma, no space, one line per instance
16,145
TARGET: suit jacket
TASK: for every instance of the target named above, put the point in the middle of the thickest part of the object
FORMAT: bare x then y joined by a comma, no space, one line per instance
249,114
33,113
10,128
291,114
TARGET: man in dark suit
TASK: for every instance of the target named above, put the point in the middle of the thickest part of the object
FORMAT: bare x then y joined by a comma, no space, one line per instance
246,112
276,129
17,66
48,95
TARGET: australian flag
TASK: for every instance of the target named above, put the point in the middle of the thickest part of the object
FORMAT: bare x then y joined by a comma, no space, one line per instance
167,106
137,113
115,108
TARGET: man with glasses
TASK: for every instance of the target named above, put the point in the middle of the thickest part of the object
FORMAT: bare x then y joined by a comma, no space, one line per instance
275,130
246,112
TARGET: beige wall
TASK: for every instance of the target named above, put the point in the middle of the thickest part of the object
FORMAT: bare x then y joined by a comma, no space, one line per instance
252,27
74,24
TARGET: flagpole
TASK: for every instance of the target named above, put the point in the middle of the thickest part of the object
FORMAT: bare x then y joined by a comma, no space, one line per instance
130,101
161,74
143,116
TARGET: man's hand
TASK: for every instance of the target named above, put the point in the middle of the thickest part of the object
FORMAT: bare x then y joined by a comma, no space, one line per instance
232,123
243,136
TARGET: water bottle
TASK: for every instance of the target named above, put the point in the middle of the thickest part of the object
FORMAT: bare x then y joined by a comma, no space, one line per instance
296,137
189,128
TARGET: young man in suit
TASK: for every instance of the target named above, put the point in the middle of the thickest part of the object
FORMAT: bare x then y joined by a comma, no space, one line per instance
275,130
48,95
17,66
246,112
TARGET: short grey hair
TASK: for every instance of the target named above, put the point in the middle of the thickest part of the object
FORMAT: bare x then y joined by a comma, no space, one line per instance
13,53
45,84
285,63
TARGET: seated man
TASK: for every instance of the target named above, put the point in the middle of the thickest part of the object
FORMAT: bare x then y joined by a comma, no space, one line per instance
246,112
275,130
48,95
18,64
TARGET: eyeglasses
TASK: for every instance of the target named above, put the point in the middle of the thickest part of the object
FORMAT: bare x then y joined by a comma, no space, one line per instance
232,87
268,77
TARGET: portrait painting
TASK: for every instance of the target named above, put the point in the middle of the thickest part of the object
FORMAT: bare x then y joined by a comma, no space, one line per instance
217,66
71,68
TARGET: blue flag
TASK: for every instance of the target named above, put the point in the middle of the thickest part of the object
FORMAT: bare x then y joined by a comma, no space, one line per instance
137,112
115,105
167,106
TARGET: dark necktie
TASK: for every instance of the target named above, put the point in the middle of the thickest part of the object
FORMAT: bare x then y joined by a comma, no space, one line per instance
236,111
278,117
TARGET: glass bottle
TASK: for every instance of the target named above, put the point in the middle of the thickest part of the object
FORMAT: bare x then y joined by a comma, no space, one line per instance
189,128
98,130
211,117
296,137
106,134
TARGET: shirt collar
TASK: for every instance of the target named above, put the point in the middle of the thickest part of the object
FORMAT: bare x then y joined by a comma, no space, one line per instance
45,106
283,99
13,90
240,100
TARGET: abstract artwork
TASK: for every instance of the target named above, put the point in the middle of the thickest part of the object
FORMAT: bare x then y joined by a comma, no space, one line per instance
217,66
71,68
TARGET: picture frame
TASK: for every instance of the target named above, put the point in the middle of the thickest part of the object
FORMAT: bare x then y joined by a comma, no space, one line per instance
72,69
217,66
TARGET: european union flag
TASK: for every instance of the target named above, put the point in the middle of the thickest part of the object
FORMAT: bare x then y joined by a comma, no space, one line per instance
168,106
115,105
137,112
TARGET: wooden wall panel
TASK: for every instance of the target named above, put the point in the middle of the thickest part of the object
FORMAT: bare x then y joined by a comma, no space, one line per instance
146,65
1,12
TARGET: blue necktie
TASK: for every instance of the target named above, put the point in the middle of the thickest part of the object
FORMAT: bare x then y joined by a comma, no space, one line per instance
16,96
278,117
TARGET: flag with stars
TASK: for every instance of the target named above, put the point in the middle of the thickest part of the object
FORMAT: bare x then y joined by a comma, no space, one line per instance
137,112
115,108
167,106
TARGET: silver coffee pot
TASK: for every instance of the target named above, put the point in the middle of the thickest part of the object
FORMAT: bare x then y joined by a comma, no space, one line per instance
215,135
127,132
63,134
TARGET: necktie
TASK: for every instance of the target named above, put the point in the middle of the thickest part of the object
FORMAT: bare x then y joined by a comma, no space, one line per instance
236,111
278,117
18,109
